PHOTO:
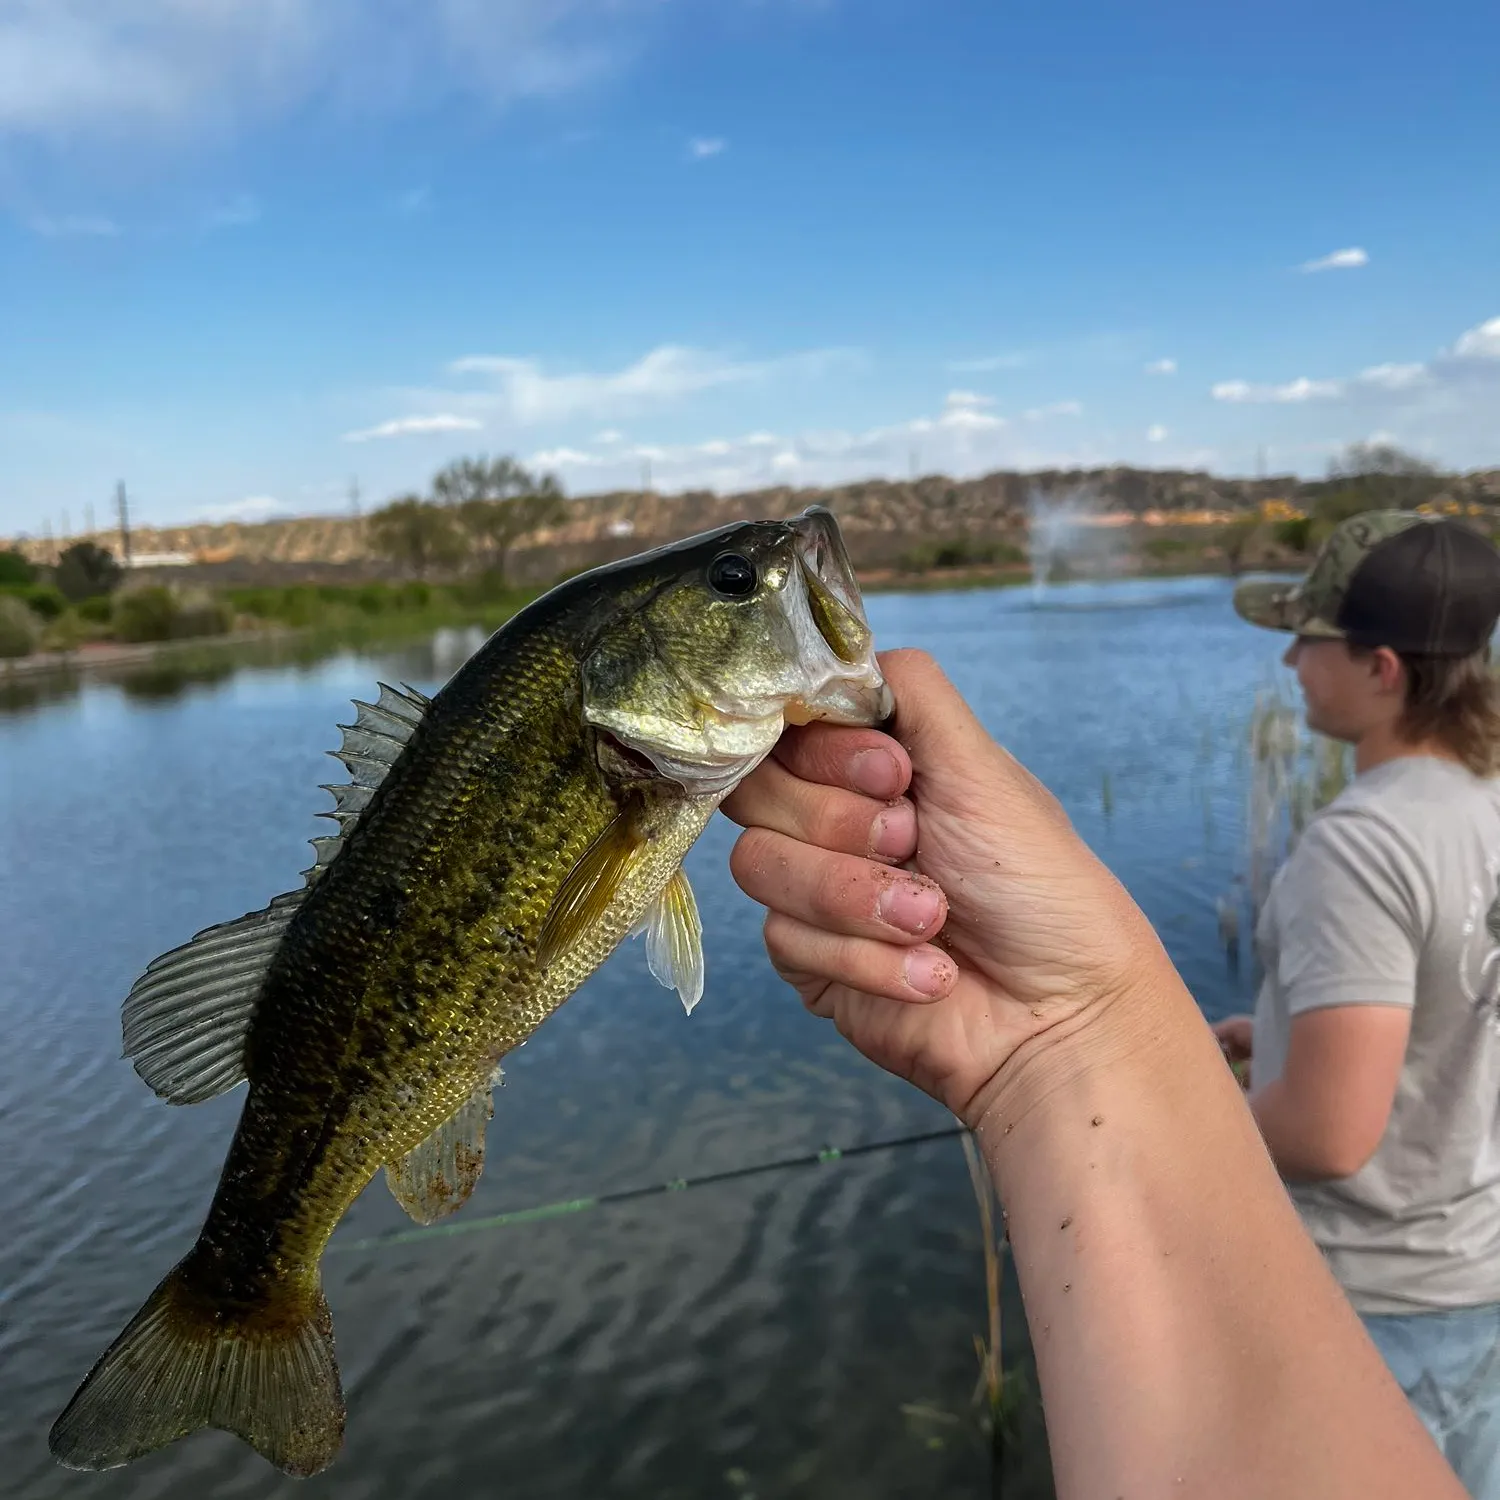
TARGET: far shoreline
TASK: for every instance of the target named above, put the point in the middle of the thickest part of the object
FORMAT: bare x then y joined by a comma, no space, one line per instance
102,658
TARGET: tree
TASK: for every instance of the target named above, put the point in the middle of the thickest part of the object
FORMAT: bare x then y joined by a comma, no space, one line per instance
1367,460
1376,476
496,502
14,567
416,534
85,570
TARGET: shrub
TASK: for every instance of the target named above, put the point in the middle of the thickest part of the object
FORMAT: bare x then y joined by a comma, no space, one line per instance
20,630
14,568
145,614
1296,533
85,569
43,600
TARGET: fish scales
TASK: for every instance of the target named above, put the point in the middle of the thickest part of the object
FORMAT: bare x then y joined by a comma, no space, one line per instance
496,845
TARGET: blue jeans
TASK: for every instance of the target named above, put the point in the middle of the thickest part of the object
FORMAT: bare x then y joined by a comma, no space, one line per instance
1448,1363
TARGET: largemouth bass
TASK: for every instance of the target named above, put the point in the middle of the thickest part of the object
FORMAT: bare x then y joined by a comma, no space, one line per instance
496,843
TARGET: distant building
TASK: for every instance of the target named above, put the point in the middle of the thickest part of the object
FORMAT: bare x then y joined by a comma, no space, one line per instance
159,560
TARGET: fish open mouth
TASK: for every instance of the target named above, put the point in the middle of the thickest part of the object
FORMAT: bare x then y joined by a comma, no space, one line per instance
832,590
835,604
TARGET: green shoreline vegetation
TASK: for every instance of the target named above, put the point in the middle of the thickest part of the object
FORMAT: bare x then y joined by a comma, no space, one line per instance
445,555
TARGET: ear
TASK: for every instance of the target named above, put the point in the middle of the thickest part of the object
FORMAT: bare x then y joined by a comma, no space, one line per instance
1388,670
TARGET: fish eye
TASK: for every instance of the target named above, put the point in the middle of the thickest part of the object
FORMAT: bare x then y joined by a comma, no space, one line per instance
732,575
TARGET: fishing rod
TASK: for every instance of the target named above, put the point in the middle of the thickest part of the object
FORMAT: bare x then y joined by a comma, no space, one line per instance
822,1157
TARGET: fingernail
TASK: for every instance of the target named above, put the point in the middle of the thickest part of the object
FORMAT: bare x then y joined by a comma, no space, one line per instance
928,972
875,773
894,831
909,906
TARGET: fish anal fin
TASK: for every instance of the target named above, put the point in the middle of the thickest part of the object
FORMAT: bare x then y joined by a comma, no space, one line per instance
186,1018
674,941
584,896
271,1379
436,1177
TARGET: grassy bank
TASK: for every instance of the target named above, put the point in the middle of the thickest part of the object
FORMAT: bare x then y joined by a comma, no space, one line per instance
42,631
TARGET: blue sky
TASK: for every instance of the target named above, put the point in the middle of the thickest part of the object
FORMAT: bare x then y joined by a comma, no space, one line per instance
249,250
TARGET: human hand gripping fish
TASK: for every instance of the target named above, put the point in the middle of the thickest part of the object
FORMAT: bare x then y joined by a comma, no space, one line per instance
495,843
929,897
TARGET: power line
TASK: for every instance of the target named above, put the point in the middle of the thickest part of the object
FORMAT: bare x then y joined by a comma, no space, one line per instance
625,1195
122,507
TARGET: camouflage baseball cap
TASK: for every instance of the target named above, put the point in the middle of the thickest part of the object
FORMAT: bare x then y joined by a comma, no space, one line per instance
1418,584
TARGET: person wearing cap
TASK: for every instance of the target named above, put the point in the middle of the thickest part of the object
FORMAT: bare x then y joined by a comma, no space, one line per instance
1374,1048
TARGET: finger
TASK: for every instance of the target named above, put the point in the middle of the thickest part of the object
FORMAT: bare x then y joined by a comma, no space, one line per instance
803,954
825,816
839,892
860,760
947,744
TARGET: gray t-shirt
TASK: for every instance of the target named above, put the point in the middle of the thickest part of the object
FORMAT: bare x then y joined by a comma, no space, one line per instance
1390,898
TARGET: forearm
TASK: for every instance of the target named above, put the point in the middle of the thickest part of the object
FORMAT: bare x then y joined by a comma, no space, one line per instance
1297,1144
1178,1353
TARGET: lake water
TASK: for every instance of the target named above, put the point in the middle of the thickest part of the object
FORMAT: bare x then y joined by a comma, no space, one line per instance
802,1332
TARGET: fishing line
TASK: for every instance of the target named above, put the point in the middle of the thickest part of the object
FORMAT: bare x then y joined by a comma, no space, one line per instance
567,1206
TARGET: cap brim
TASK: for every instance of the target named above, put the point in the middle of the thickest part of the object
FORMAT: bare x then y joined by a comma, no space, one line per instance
1280,606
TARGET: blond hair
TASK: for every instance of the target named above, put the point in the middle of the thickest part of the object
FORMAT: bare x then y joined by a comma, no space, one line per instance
1455,701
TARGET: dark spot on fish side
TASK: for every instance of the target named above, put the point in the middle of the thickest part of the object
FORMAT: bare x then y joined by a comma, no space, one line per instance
1066,1222
385,909
1097,1121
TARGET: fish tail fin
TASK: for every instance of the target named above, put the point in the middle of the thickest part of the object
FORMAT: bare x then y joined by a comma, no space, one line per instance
269,1377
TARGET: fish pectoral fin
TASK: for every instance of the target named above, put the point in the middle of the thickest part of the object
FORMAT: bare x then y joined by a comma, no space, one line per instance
435,1178
584,896
186,1018
674,941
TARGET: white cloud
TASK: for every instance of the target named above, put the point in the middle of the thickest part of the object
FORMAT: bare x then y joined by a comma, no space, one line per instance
610,435
959,439
242,209
1339,260
1389,377
71,69
1161,367
1056,409
1482,342
251,509
1301,389
73,226
701,147
967,419
520,391
967,398
987,364
1156,433
403,426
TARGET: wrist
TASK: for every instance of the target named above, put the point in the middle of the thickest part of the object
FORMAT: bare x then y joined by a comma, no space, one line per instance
1136,1033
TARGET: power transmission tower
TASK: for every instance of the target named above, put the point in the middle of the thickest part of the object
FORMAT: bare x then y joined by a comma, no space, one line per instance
88,519
122,508
354,495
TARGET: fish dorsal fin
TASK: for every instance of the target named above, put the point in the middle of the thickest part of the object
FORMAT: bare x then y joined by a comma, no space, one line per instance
186,1018
437,1176
674,941
590,886
372,744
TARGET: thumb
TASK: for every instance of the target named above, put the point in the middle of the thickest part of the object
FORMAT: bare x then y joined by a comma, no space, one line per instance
956,759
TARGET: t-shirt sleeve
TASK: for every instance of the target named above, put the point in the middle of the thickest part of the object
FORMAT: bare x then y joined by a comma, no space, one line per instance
1351,919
